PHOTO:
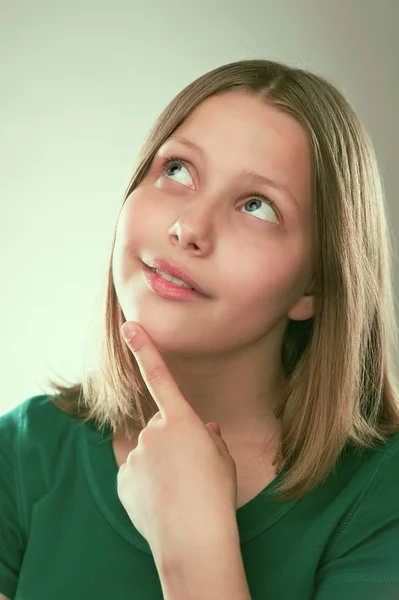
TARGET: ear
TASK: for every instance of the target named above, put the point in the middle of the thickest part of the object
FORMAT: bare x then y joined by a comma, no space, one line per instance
304,308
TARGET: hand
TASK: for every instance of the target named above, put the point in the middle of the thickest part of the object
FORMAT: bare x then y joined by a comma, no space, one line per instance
179,485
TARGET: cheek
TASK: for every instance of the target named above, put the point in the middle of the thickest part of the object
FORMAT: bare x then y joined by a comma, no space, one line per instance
136,220
132,217
267,279
145,217
127,240
250,274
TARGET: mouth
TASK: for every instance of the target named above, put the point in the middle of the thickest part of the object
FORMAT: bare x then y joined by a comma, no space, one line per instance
174,274
174,280
168,288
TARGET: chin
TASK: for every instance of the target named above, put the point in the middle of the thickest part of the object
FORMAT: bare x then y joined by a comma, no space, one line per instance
169,337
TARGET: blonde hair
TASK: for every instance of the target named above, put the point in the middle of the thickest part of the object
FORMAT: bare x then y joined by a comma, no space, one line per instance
339,366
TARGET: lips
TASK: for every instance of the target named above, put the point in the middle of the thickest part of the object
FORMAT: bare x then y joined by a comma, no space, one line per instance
175,271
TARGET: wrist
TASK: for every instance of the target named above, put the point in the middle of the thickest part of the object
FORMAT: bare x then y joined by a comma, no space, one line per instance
181,553
214,572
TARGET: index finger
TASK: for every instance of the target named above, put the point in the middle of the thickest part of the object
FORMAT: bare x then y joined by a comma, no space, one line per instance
155,373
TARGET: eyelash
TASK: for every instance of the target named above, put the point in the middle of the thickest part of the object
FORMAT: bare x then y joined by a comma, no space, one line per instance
170,159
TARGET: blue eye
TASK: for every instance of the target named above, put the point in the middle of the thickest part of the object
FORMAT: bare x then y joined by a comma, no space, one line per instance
255,198
262,200
172,161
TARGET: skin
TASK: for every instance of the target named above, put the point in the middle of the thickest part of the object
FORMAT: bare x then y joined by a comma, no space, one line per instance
224,352
166,498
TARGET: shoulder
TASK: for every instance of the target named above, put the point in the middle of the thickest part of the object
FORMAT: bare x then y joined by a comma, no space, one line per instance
35,437
368,494
361,559
37,418
371,475
380,465
383,488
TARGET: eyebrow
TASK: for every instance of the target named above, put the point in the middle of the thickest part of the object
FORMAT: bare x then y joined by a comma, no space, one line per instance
255,178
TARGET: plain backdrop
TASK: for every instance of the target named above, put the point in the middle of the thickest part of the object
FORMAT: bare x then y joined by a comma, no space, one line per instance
81,84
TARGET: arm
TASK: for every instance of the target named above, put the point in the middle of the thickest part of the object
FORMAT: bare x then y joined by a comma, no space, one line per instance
213,572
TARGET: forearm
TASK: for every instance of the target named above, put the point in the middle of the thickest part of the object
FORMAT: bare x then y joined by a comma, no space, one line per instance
213,572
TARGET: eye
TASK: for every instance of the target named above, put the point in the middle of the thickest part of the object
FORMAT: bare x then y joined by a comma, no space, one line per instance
173,160
263,203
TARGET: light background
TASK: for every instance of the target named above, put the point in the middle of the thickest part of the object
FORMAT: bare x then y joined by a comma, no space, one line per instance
81,84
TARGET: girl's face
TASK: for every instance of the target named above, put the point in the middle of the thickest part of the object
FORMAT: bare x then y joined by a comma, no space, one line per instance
203,213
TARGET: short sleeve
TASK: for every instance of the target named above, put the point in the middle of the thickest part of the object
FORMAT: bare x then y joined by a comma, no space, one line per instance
363,561
12,540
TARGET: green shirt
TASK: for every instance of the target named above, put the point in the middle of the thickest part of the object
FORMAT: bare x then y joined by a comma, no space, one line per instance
65,535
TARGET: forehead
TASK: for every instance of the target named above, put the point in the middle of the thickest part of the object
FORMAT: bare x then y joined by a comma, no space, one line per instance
237,114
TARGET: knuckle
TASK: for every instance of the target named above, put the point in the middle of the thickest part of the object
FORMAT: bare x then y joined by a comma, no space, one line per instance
141,435
130,458
154,374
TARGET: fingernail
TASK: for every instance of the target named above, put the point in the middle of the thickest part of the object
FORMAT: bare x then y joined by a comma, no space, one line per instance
129,330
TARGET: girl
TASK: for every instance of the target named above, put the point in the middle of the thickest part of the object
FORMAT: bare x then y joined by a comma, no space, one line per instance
245,442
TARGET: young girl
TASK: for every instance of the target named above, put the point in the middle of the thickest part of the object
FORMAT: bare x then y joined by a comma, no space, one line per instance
245,443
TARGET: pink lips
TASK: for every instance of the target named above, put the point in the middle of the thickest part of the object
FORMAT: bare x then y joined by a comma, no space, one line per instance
175,271
167,289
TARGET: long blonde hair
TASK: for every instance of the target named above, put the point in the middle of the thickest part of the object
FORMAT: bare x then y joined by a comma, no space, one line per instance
340,365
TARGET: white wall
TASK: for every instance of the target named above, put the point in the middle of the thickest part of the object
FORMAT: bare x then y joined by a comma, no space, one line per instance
80,85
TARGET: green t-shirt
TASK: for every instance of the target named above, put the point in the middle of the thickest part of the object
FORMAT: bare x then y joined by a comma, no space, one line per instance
65,535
